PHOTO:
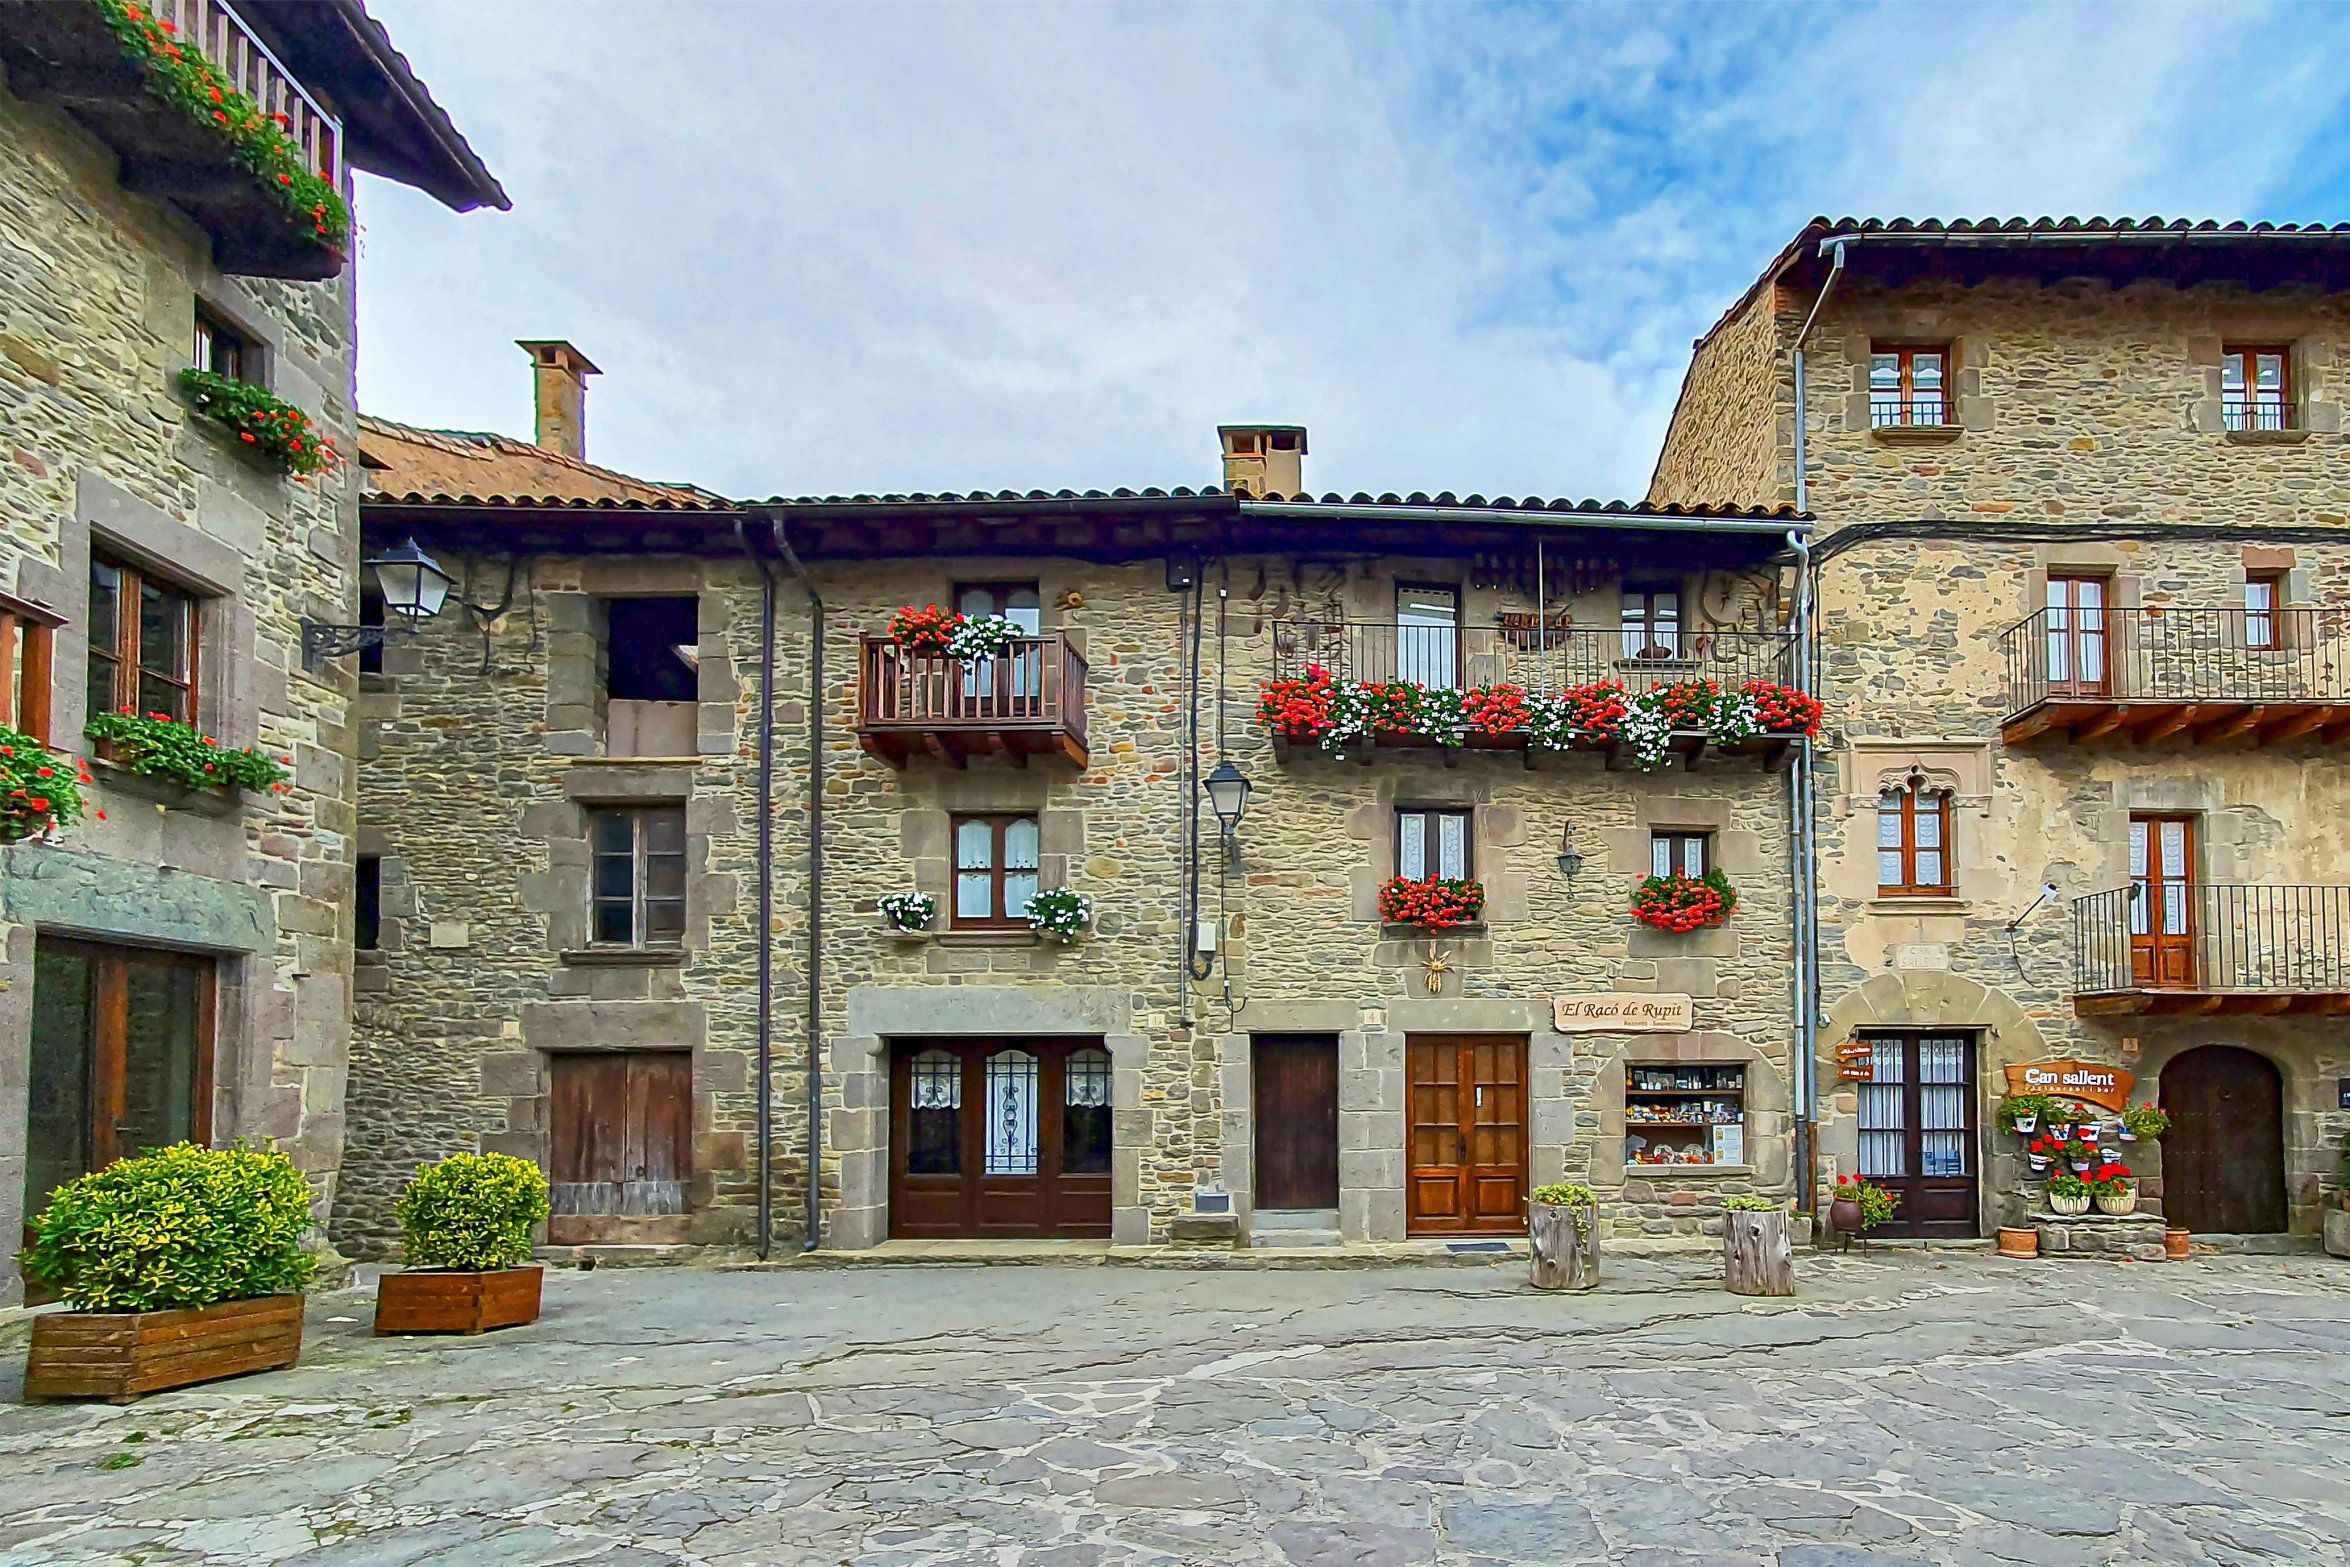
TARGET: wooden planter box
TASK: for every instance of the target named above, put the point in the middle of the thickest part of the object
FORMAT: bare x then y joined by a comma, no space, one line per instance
441,1300
123,1356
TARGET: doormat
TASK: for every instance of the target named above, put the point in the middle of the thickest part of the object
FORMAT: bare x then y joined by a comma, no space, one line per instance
1476,1245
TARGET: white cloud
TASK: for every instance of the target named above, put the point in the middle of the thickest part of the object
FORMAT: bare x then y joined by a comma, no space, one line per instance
825,249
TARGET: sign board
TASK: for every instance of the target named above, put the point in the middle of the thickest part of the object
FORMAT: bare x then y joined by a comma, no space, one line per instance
2108,1086
1606,1013
1856,1061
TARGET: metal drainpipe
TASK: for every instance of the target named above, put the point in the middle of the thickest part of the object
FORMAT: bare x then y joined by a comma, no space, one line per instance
766,890
815,1071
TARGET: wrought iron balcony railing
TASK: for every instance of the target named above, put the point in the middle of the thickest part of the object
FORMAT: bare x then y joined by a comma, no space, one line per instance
1028,700
2256,412
2191,947
2266,675
1539,661
1915,413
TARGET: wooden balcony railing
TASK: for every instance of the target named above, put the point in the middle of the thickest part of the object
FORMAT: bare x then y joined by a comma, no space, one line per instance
2216,676
1028,700
2187,947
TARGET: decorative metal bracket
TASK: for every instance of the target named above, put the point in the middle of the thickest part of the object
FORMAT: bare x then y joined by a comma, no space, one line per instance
322,640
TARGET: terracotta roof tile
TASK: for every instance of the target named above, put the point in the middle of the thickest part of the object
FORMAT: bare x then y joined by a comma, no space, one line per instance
417,467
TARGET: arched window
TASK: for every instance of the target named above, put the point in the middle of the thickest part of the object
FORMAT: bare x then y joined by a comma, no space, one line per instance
1913,841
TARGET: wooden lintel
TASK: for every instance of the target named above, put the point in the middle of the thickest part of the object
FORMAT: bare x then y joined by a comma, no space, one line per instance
2230,728
2172,721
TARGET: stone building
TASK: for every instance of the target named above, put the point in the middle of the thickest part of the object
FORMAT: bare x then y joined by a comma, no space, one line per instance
2081,582
178,966
561,808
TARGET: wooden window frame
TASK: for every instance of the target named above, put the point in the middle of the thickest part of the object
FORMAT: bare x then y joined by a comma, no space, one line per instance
1910,886
2274,615
1677,836
2076,634
640,901
109,1004
1647,593
211,335
998,824
27,666
128,671
1430,851
1906,355
1001,592
2288,416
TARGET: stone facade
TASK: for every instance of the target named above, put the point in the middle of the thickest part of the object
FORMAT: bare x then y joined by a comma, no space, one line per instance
2086,424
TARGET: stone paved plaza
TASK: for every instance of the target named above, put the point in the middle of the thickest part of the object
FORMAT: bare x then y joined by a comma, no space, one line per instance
1909,1407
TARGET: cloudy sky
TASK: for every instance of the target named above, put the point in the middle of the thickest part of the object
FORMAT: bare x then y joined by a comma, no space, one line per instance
822,249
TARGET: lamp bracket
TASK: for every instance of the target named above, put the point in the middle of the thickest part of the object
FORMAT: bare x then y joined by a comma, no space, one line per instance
323,640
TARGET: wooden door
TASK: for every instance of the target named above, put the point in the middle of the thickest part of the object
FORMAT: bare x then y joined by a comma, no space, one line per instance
621,1127
1008,1138
1917,1131
2078,642
1467,1149
2162,905
1296,1086
2223,1159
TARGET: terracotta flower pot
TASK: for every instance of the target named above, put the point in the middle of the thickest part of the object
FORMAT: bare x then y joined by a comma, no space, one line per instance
2018,1242
2068,1205
1844,1214
2178,1245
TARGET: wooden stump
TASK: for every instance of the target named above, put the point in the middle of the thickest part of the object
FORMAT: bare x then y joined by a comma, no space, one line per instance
1758,1253
1559,1255
122,1356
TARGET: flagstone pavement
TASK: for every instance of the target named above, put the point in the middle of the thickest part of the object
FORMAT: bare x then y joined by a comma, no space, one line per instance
1906,1408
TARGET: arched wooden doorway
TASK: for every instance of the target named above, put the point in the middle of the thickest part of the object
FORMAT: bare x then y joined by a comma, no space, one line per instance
2223,1159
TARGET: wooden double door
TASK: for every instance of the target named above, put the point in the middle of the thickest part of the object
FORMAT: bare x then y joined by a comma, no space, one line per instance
1917,1131
1000,1138
1467,1134
622,1133
2223,1159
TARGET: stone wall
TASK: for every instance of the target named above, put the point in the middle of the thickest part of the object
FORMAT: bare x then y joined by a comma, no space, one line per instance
98,291
1723,445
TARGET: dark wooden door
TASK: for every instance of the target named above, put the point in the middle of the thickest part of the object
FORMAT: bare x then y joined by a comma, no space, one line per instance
1296,1087
2223,1159
1917,1131
1000,1138
621,1128
1467,1149
2162,901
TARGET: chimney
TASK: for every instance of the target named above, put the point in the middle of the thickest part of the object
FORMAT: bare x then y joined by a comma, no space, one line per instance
1264,459
559,373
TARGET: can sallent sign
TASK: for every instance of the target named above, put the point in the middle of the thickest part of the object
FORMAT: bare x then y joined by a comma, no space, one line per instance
2108,1086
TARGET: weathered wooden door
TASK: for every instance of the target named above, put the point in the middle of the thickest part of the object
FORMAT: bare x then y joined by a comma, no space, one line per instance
2223,1159
1467,1135
2162,905
1296,1086
2078,643
1000,1138
622,1129
1917,1131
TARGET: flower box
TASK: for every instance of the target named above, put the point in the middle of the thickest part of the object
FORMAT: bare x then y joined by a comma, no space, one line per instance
457,1300
220,800
123,1356
1433,905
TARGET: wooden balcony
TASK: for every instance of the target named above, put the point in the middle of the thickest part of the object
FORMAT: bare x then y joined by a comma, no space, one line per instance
2206,676
62,52
2190,949
1029,700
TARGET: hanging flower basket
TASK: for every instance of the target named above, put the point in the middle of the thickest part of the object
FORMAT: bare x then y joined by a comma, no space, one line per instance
982,636
1060,913
1684,903
40,791
1298,710
2144,1121
273,431
926,632
1439,903
908,913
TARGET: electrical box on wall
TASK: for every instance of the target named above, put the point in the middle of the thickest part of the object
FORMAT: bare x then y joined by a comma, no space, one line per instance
1205,941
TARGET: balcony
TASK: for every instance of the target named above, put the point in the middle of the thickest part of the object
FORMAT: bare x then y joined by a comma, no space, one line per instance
62,52
1537,663
2213,676
1027,701
2193,949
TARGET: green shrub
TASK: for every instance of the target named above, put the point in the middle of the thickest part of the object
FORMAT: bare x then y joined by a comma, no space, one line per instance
1751,1204
1568,1196
157,745
2016,1106
473,1211
2146,1120
181,1226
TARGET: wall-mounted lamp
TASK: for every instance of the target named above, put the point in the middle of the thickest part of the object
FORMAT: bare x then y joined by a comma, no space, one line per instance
1228,790
414,587
1570,858
2047,894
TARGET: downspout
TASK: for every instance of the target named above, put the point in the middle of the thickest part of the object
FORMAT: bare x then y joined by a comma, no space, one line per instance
815,1070
1800,783
766,890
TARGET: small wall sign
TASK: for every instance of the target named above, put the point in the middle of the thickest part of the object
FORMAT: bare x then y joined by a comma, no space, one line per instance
1856,1061
1610,1013
2108,1086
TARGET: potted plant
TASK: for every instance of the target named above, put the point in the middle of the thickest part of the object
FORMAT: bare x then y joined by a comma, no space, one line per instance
157,756
40,791
180,1266
2081,1157
2060,1124
924,632
465,1233
1860,1205
1758,1254
1684,903
1562,1233
2021,1113
2067,1193
1439,903
274,432
1060,914
908,913
2090,1131
982,636
2039,1153
2144,1121
2110,1184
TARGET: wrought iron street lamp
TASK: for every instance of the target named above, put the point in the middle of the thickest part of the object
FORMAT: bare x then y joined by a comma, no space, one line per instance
413,586
1228,790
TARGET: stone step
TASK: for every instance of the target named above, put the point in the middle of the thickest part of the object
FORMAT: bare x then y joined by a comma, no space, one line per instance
1289,1239
1294,1219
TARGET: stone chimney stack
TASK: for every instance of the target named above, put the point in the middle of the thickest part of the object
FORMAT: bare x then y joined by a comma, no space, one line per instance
1264,459
560,374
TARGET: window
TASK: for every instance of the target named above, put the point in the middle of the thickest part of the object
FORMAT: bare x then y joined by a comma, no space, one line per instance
2256,387
995,869
1085,1113
1018,602
1652,622
367,882
2264,595
1677,1114
24,669
1913,836
1427,634
639,888
1281,441
1433,845
1685,852
2076,635
652,649
223,350
1906,387
142,643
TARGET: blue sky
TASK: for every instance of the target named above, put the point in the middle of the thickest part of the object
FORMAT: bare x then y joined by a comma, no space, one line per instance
897,247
